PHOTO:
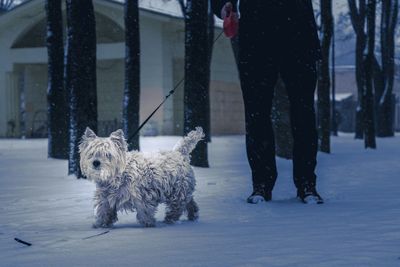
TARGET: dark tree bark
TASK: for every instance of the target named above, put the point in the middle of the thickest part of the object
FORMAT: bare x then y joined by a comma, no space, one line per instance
131,103
281,122
384,94
80,75
368,96
357,15
57,108
210,38
334,125
324,78
197,74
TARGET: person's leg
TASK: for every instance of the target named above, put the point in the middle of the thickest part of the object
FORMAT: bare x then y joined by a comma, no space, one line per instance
299,76
258,76
297,68
300,81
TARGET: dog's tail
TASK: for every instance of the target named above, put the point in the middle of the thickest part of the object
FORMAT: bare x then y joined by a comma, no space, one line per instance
189,142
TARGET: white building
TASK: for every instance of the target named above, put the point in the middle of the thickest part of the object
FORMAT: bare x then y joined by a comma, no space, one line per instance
23,70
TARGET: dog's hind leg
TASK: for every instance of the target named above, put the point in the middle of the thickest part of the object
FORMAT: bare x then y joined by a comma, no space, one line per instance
174,211
145,214
192,210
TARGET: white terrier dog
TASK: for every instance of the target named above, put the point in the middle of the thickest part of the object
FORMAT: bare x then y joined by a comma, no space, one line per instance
131,181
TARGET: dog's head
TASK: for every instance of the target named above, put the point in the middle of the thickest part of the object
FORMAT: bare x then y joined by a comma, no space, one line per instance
102,158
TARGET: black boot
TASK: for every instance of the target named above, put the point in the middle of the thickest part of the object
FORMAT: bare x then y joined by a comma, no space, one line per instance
309,195
260,194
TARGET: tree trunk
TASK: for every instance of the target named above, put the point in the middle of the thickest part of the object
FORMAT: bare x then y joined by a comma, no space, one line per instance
368,97
385,111
360,80
334,126
80,75
357,16
281,122
57,108
197,74
131,101
210,37
324,78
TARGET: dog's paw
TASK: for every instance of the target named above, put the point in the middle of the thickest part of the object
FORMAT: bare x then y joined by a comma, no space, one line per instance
169,221
146,221
193,217
101,225
149,224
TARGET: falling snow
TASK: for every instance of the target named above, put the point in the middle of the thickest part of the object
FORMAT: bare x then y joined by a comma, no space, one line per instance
359,225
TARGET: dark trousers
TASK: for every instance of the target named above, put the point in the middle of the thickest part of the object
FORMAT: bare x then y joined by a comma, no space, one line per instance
271,45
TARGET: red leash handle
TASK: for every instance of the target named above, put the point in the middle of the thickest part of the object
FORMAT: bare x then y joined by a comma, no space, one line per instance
231,25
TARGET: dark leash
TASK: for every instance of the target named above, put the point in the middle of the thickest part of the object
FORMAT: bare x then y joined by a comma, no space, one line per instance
102,233
165,99
23,242
85,238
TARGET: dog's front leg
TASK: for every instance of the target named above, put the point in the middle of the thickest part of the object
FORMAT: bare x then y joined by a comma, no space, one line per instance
105,215
145,213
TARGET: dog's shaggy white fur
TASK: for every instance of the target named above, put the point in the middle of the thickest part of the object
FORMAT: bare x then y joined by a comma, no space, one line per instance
128,181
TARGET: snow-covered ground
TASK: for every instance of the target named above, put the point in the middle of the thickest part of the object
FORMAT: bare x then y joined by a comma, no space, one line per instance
359,225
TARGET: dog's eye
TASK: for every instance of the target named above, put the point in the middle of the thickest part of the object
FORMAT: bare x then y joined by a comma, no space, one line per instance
108,156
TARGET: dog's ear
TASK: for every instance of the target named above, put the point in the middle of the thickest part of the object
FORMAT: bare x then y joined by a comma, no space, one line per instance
119,138
89,134
118,134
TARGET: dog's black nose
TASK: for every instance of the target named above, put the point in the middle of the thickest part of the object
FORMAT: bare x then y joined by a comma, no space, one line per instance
96,163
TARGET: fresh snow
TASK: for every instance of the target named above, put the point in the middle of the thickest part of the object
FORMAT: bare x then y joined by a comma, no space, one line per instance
359,224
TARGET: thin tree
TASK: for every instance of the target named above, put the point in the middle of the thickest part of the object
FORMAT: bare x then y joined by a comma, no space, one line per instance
197,73
57,108
210,40
358,18
368,96
80,75
334,126
323,76
131,101
384,93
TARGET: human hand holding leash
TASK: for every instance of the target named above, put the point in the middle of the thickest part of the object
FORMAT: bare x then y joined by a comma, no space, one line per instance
231,20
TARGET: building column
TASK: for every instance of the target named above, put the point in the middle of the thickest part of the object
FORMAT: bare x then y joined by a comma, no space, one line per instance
12,95
3,103
167,74
9,104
